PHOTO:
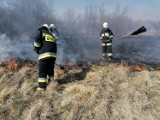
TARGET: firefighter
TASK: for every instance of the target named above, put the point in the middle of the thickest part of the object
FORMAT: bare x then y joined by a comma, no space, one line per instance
106,37
45,46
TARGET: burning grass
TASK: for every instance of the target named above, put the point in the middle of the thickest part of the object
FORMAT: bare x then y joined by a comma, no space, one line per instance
136,67
14,64
99,91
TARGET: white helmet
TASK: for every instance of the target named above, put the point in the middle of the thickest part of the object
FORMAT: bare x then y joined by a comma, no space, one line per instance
52,26
45,25
105,25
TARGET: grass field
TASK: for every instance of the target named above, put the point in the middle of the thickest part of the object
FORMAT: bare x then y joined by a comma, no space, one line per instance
104,92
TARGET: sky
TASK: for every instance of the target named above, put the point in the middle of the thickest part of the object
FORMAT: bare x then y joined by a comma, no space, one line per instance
138,9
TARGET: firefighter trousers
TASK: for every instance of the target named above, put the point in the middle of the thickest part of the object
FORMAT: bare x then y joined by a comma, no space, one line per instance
107,49
46,68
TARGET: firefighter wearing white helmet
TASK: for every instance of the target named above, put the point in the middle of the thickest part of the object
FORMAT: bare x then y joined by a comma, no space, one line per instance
106,37
45,45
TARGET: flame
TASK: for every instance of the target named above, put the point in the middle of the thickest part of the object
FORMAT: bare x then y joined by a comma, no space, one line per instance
138,68
135,67
13,65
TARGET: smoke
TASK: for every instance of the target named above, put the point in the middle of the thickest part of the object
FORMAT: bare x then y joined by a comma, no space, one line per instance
60,49
83,48
19,22
12,48
143,48
4,46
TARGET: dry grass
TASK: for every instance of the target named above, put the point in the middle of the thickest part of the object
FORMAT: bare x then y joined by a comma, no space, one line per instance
107,92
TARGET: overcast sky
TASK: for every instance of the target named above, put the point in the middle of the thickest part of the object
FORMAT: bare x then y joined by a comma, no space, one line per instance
138,9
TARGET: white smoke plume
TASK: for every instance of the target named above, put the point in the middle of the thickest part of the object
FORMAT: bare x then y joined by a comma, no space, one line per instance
16,48
143,48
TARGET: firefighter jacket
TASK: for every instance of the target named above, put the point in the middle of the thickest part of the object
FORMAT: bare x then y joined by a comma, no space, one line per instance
45,44
106,35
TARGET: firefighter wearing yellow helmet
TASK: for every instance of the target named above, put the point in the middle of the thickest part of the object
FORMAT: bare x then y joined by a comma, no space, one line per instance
45,45
106,37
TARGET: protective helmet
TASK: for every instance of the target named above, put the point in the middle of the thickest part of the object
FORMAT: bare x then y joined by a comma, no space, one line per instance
45,25
105,25
52,26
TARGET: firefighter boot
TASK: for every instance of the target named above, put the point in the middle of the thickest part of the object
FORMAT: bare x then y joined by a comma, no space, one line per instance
41,84
41,89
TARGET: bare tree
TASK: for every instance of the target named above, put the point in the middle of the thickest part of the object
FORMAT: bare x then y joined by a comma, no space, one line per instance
91,19
120,22
102,13
70,22
25,16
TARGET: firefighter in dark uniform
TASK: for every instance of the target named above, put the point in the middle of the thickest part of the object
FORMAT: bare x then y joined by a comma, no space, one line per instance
45,46
106,37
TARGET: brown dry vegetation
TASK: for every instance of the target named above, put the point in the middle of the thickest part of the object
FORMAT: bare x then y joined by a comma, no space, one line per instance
105,92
